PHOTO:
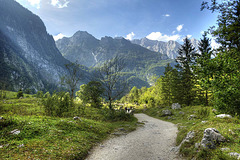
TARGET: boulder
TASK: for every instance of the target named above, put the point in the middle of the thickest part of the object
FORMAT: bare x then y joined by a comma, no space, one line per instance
176,106
77,118
189,136
235,154
166,112
223,116
15,131
211,137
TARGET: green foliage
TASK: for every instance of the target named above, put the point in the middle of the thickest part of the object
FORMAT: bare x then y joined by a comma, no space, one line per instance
20,93
116,115
91,93
186,61
39,94
204,112
59,104
225,66
3,94
203,68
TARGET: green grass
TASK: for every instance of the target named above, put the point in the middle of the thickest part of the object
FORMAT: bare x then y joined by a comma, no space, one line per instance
229,128
45,137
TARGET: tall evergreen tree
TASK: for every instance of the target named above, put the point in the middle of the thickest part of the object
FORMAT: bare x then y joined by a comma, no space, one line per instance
202,69
226,64
186,60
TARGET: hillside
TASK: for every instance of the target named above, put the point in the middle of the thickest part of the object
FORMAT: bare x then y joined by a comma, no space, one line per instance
30,57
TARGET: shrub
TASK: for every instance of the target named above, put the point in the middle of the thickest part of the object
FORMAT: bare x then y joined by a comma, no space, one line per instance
20,93
116,115
59,104
3,94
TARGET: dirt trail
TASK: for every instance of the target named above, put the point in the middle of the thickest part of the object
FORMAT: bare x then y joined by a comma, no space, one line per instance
153,141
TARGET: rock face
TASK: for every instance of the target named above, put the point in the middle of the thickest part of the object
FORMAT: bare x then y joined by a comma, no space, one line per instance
176,106
210,138
29,57
170,48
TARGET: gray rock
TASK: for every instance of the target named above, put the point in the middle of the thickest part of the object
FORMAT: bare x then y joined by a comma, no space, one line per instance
176,106
191,117
77,118
197,145
214,110
15,132
235,154
223,116
166,112
225,149
1,118
21,145
189,136
211,137
204,122
182,113
169,117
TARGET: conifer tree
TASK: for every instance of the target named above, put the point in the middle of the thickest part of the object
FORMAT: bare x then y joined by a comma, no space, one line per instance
186,60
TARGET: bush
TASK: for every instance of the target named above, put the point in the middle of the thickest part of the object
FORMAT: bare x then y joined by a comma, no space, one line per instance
116,115
3,94
39,94
20,94
59,104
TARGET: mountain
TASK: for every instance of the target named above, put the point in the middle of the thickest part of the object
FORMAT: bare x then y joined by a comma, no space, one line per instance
170,48
91,52
29,56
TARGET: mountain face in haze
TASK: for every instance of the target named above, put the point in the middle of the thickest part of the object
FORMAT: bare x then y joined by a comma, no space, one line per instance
29,57
91,52
170,48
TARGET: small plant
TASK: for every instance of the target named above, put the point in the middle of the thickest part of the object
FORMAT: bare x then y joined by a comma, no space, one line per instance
3,94
20,94
203,112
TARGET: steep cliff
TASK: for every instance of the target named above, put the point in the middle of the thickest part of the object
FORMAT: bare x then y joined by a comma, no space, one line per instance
26,46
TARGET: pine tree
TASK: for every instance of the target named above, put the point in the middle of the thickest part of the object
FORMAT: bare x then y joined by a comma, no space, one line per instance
202,69
226,64
186,60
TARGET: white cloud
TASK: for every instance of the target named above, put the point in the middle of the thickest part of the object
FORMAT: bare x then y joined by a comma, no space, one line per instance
35,3
160,37
59,36
173,32
189,36
179,27
130,36
58,4
166,15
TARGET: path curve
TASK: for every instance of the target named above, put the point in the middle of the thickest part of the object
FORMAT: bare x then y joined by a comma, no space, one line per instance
153,141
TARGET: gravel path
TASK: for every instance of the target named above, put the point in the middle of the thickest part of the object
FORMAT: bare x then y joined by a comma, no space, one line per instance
153,141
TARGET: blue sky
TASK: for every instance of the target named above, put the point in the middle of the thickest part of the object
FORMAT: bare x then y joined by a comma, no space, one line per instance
155,19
